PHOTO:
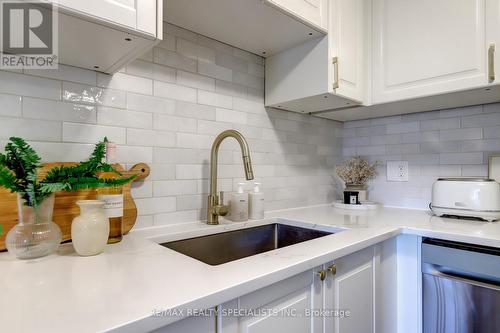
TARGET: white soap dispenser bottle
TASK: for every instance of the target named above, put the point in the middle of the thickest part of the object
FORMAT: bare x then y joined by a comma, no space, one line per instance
239,205
256,203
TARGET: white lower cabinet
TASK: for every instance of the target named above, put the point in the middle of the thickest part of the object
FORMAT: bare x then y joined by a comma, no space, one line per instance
343,302
280,307
351,292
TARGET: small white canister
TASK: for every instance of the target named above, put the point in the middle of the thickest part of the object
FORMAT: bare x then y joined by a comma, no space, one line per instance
90,230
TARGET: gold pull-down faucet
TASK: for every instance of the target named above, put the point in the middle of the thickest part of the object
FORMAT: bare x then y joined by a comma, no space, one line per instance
216,205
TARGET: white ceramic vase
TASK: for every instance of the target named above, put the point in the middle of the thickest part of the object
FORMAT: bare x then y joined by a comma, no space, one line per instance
90,230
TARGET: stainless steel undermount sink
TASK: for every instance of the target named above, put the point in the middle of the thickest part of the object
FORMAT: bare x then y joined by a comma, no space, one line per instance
228,246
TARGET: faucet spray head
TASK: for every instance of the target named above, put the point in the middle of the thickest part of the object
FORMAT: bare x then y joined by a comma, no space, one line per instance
247,164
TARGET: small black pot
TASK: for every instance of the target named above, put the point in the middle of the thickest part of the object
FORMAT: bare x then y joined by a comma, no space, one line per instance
351,198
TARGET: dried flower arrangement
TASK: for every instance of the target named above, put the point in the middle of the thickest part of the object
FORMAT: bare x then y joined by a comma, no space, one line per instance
357,171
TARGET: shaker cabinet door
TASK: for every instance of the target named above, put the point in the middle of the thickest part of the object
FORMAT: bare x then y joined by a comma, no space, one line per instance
428,47
138,15
281,307
351,293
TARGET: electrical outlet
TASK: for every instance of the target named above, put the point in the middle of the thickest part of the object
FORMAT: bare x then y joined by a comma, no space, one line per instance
397,171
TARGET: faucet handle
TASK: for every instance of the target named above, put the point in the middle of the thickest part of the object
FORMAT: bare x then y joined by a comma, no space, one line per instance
221,198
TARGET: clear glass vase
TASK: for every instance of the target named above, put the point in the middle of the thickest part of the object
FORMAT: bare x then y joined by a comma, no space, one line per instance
36,235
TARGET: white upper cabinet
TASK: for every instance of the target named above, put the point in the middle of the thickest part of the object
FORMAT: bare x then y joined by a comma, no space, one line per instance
429,47
349,47
327,73
137,15
311,11
263,27
105,35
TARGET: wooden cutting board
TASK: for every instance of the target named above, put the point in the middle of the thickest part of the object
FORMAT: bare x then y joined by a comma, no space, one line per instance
65,207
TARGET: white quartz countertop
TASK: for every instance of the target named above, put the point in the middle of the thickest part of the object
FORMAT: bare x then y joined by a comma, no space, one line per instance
121,288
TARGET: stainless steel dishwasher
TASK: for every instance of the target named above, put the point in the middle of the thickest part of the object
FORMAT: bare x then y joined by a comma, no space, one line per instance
461,287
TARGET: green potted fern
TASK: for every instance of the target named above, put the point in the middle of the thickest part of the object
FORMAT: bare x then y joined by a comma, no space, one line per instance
36,235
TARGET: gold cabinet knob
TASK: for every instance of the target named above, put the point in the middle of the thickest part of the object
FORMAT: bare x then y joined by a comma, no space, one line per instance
322,275
332,269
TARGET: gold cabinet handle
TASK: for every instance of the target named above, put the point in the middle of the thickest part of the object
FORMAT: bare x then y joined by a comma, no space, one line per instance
335,62
491,63
332,269
322,275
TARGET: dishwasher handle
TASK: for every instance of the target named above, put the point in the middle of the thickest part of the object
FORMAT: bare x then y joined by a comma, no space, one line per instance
442,272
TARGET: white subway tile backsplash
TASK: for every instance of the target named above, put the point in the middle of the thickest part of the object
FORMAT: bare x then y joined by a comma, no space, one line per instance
175,124
175,156
186,140
417,137
195,81
142,189
37,108
173,91
478,170
148,206
229,61
230,116
30,129
193,110
86,133
247,56
173,59
142,137
126,82
212,127
215,99
444,143
483,120
168,42
248,80
461,158
66,73
249,106
179,32
63,152
440,124
491,132
124,118
440,147
152,104
25,85
151,71
165,109
491,145
214,44
461,134
176,217
134,154
256,69
400,128
195,51
79,93
192,171
10,105
174,187
215,71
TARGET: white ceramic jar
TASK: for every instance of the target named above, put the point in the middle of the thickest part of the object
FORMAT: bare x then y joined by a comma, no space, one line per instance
90,230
